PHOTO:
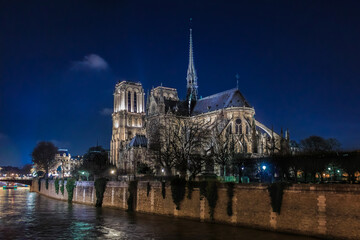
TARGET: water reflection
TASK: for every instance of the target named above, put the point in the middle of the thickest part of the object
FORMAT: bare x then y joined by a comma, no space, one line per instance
25,215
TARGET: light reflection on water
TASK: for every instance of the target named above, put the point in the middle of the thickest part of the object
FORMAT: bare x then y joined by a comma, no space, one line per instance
26,215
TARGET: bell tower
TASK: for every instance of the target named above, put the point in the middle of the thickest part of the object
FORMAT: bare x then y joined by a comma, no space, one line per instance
128,117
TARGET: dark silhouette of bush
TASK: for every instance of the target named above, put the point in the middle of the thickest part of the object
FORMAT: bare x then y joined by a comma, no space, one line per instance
148,189
276,191
62,187
178,188
230,194
100,186
132,196
70,185
163,189
56,183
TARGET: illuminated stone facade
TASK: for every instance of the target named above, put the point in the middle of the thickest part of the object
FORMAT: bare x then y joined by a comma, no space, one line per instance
131,118
128,117
65,163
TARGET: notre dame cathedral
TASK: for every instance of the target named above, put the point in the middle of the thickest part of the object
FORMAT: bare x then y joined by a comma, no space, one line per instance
131,118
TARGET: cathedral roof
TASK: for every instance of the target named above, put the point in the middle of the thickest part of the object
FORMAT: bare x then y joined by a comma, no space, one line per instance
222,100
178,107
138,141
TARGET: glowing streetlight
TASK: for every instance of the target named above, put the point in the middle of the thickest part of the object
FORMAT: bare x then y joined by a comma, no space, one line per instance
112,171
263,167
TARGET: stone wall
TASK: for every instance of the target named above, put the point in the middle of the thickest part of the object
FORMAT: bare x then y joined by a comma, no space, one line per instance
316,210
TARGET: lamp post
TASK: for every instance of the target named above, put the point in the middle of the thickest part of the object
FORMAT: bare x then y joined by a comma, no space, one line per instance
112,172
85,173
263,167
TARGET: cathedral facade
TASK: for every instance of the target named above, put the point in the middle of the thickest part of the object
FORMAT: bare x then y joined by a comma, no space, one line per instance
132,119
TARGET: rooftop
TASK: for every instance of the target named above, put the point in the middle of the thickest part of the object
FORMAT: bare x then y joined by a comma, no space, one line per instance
138,141
222,100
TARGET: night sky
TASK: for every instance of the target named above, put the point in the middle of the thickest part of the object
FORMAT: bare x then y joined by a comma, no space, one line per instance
298,63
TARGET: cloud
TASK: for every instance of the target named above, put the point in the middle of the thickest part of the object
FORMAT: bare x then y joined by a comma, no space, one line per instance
106,111
90,62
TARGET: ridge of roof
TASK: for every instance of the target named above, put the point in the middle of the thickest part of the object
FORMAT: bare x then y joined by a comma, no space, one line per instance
221,100
218,94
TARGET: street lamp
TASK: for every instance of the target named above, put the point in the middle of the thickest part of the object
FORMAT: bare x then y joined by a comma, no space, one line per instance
112,172
263,167
85,173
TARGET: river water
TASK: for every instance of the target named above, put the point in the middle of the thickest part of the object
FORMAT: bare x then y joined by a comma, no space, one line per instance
28,215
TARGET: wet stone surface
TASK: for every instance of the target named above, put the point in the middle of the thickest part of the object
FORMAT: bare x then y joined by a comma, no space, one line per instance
27,215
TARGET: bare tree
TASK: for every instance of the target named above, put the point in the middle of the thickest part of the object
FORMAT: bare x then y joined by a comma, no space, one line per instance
316,144
224,144
177,143
160,145
43,156
191,145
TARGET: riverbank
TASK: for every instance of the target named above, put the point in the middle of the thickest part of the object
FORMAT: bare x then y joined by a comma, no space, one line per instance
327,211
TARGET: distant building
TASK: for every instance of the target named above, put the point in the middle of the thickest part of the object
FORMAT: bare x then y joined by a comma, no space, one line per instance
65,163
132,119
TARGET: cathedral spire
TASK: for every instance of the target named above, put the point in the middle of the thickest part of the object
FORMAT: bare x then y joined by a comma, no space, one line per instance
191,78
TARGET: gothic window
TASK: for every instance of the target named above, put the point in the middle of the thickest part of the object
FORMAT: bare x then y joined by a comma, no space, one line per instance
129,101
247,129
135,103
238,128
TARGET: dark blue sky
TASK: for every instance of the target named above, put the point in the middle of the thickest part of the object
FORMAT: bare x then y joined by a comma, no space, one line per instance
298,63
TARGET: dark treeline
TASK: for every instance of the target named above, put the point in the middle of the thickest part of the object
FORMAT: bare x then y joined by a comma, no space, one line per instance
301,167
95,165
314,159
10,171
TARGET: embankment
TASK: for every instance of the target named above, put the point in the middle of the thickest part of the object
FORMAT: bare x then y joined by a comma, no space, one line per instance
331,211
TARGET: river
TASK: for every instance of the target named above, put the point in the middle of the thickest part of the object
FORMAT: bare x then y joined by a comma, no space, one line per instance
28,215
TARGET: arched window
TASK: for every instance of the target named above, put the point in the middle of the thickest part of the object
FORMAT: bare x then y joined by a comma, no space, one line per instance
129,101
135,105
238,128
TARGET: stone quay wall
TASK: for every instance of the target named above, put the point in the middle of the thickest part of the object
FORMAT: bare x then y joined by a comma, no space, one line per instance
330,211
